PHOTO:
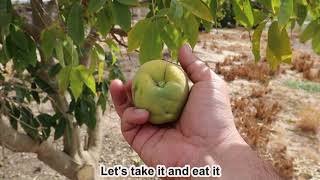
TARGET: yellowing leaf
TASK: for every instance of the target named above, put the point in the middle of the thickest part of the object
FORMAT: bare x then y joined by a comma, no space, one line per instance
87,78
76,83
256,41
64,79
279,47
100,71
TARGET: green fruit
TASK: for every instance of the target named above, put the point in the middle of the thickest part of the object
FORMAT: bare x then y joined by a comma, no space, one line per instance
161,88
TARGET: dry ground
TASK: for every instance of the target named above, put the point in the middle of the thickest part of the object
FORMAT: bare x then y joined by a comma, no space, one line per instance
293,151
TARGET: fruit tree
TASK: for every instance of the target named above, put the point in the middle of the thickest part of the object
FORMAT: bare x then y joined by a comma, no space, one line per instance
65,52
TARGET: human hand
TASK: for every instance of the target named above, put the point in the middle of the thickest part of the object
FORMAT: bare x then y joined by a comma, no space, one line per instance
205,122
205,134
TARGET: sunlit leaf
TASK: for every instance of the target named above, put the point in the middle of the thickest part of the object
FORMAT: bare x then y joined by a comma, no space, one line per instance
198,8
285,12
136,34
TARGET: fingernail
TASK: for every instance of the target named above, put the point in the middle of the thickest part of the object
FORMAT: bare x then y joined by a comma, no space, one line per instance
140,111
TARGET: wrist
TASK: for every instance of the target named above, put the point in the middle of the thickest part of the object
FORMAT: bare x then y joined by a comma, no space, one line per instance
236,159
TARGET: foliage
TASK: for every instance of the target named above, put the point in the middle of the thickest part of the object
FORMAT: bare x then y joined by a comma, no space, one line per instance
67,53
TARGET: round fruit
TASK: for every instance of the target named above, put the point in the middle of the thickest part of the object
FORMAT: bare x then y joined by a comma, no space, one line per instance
161,88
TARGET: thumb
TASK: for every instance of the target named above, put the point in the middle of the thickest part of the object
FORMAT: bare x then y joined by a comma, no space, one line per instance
197,70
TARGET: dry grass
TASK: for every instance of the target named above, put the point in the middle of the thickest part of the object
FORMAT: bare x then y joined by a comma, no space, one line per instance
254,115
281,162
309,119
306,64
240,66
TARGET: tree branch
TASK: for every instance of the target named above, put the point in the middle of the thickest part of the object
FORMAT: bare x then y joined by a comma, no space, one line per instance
72,148
57,160
15,141
119,32
96,135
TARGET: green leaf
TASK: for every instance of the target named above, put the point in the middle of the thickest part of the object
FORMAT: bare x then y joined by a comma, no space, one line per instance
75,24
5,12
47,42
136,34
95,5
49,38
100,71
214,8
198,8
76,83
70,52
46,122
91,111
54,70
60,128
44,85
102,101
104,21
34,93
301,13
175,11
316,42
248,12
87,78
113,49
85,111
279,47
28,123
275,6
171,35
21,48
122,15
243,12
3,57
80,112
190,27
59,52
256,41
97,54
151,45
14,115
267,4
259,16
129,2
64,79
285,12
310,30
